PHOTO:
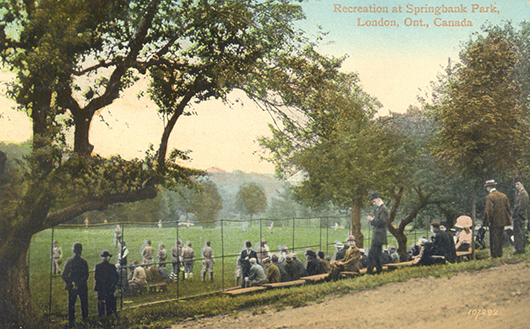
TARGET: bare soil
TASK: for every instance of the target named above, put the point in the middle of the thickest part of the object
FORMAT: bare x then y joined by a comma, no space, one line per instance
498,297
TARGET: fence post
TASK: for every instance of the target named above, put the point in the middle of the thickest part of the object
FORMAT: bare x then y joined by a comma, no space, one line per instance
223,254
51,271
320,233
178,263
121,267
327,235
293,236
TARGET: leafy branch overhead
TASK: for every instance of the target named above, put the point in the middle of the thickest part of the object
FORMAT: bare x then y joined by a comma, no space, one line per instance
73,58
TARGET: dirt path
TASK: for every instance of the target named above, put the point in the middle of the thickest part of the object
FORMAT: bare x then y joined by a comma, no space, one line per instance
502,293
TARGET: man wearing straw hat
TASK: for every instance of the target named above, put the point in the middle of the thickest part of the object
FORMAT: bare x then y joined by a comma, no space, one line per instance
496,216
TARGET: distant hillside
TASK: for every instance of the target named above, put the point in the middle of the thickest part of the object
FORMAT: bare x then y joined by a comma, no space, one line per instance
228,184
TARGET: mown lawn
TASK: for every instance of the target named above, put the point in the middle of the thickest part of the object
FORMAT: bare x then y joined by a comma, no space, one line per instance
226,240
163,314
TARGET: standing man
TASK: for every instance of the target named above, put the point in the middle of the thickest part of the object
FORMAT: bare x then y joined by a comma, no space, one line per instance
176,251
75,276
246,254
263,252
57,255
378,221
161,255
496,216
207,260
519,214
147,253
106,278
188,256
117,234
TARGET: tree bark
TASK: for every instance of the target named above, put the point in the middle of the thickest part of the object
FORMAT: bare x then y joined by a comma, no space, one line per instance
162,150
399,231
356,222
16,309
82,144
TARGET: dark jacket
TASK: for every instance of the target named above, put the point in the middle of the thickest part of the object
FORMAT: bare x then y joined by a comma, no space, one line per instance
379,225
520,205
497,211
314,266
75,271
106,278
244,260
325,264
301,268
283,274
444,245
291,268
273,273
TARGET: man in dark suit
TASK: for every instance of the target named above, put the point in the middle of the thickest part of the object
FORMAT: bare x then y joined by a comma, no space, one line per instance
106,278
75,276
246,255
496,216
378,221
519,214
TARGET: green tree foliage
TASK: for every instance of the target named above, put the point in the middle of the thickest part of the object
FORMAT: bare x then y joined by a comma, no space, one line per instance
206,204
483,128
74,57
340,149
251,199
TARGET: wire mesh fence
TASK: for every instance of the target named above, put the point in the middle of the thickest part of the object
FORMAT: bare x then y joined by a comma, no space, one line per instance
227,239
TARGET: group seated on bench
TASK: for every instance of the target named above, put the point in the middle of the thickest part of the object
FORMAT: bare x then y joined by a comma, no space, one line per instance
350,261
152,278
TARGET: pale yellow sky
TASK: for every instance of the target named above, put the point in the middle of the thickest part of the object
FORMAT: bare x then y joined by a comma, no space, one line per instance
392,64
219,136
225,136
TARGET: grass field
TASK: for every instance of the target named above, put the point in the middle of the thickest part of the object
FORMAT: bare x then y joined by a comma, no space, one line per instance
227,240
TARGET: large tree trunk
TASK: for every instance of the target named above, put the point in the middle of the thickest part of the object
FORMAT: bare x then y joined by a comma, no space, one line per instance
356,222
473,221
82,144
16,309
399,231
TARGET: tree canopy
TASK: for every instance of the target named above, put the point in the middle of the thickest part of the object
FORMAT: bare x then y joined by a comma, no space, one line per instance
483,129
341,150
206,204
73,58
251,199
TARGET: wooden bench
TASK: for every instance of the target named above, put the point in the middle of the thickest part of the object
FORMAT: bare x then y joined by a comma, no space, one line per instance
241,291
362,271
464,254
315,278
155,286
393,266
284,284
350,274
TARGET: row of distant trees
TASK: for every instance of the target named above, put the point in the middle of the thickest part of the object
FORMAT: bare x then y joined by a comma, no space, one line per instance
203,204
